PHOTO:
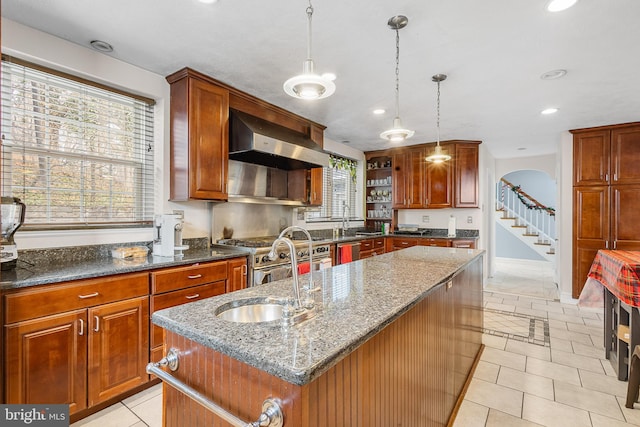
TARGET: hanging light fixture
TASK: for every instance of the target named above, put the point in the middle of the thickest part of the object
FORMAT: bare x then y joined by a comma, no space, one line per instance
438,156
397,133
309,85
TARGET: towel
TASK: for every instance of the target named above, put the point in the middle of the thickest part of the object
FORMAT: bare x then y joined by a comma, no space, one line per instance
345,254
304,268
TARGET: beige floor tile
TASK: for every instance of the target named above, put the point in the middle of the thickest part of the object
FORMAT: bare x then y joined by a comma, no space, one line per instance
471,415
552,370
597,352
576,361
495,396
500,419
547,308
598,420
139,424
487,371
502,307
504,358
589,400
553,414
150,411
558,324
143,396
593,322
569,335
531,312
114,416
492,299
561,344
565,318
494,341
603,383
528,383
531,350
608,368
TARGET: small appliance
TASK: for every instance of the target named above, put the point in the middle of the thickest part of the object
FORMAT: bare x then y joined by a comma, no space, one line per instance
11,217
168,236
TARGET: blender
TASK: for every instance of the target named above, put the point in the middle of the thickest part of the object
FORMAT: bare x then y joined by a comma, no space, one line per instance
11,217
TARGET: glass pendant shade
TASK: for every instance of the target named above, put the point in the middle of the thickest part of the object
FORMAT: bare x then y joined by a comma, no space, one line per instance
398,133
309,85
438,156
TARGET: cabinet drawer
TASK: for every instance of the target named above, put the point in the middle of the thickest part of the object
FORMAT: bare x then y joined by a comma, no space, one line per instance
67,296
401,243
185,277
183,296
365,245
378,245
469,244
445,243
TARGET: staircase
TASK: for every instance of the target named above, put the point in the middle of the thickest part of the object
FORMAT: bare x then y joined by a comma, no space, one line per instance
527,219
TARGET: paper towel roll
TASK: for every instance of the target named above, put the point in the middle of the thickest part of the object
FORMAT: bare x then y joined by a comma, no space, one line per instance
452,226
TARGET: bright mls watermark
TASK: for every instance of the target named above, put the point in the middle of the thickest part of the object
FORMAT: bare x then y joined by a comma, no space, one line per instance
34,415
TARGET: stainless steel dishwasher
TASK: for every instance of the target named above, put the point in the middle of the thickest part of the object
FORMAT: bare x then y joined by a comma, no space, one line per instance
347,252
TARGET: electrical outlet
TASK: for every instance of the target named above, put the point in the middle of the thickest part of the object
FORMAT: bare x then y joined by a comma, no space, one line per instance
425,218
469,219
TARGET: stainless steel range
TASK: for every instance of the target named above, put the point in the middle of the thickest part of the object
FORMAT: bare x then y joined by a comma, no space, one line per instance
265,270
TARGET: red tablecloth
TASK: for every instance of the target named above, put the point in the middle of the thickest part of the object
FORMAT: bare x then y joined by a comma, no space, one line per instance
619,271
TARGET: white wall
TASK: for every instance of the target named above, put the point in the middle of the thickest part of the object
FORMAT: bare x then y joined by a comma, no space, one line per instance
545,163
41,48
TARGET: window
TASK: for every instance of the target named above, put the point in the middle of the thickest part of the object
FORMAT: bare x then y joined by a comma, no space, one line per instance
77,154
338,188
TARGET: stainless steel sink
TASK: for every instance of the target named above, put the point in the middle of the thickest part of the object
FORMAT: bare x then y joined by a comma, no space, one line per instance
251,313
262,310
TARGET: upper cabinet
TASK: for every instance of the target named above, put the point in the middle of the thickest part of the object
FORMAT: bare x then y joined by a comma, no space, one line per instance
607,155
439,180
200,135
199,138
466,176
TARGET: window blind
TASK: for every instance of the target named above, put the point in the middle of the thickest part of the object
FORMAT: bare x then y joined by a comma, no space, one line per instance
338,188
77,155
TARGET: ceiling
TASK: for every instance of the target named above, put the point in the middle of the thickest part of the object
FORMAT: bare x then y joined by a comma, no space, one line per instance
493,52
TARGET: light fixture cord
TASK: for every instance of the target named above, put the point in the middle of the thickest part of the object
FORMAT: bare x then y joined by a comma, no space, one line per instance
438,118
309,15
397,72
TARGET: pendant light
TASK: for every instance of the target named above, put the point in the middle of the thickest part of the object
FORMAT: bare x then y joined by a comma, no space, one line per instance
397,133
438,156
309,85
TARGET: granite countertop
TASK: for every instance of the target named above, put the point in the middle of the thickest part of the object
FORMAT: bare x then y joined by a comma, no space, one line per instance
355,302
42,270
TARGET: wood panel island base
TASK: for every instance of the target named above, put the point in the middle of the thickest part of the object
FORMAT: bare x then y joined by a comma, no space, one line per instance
393,344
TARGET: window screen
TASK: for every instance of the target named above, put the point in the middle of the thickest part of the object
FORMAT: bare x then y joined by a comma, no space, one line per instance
76,154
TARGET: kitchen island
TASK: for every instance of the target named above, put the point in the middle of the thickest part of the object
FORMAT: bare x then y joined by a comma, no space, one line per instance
395,340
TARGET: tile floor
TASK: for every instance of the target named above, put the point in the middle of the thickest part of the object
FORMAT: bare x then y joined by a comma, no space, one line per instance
518,382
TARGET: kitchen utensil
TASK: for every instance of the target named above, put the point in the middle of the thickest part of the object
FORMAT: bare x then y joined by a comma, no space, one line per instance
12,217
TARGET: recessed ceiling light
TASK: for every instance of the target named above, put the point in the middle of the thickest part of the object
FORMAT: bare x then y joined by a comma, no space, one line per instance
207,1
522,148
560,5
101,46
329,76
553,74
549,111
346,141
379,111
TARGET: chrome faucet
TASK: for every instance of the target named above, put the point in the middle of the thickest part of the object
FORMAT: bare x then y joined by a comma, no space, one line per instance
309,248
345,218
294,266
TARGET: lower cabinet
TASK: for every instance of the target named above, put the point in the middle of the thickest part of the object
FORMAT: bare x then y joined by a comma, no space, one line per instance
87,353
372,247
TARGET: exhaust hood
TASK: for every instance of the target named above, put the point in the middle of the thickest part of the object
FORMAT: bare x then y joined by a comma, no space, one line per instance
256,141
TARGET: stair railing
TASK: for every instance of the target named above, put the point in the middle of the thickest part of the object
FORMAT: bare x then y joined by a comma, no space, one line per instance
528,213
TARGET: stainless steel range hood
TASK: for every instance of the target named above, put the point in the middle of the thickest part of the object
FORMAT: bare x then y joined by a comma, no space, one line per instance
256,141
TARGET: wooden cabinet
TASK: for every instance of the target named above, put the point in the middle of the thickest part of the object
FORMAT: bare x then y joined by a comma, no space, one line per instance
408,179
439,182
466,176
316,176
179,285
606,194
199,137
372,247
397,243
236,275
443,243
463,243
79,343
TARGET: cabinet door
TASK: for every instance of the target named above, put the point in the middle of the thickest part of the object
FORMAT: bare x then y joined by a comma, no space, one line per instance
590,230
463,243
439,188
399,176
625,155
46,360
237,275
625,217
591,154
415,184
466,175
118,348
315,193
